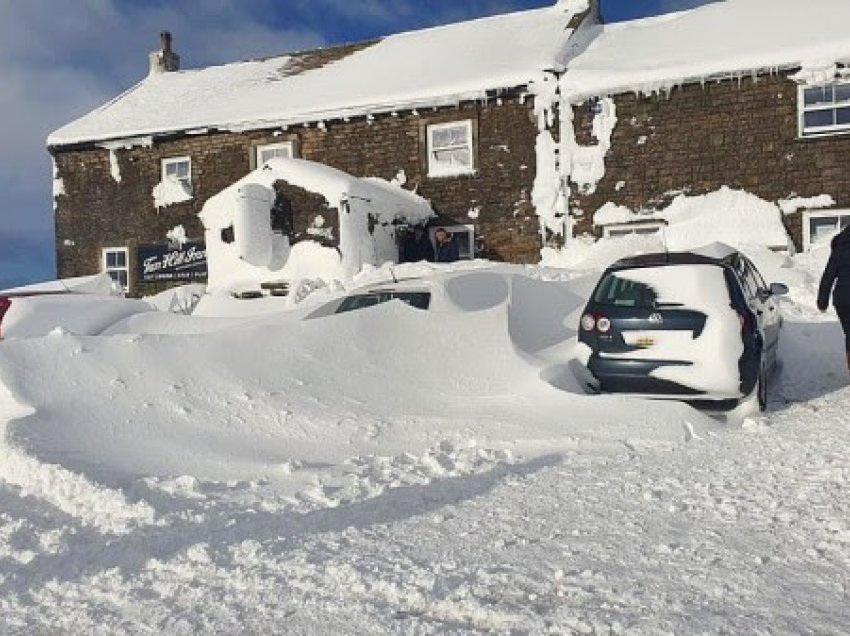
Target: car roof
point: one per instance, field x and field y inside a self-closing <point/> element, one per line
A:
<point x="715" y="254"/>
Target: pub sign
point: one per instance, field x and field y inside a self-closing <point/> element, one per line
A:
<point x="172" y="262"/>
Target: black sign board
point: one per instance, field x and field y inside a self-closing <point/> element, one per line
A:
<point x="169" y="262"/>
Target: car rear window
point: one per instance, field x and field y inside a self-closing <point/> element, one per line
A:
<point x="653" y="287"/>
<point x="417" y="300"/>
<point x="622" y="292"/>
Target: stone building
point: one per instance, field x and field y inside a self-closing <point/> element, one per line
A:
<point x="446" y="111"/>
<point x="738" y="94"/>
<point x="471" y="116"/>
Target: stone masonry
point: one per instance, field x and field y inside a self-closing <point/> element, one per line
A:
<point x="699" y="138"/>
<point x="97" y="212"/>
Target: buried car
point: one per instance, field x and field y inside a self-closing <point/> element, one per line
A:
<point x="700" y="326"/>
<point x="33" y="314"/>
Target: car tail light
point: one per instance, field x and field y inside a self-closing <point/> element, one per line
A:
<point x="600" y="323"/>
<point x="5" y="303"/>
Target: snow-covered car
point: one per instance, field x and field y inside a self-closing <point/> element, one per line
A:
<point x="700" y="326"/>
<point x="453" y="291"/>
<point x="31" y="314"/>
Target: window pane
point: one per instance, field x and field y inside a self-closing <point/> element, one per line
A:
<point x="120" y="259"/>
<point x="822" y="228"/>
<point x="453" y="158"/>
<point x="183" y="169"/>
<point x="845" y="221"/>
<point x="818" y="95"/>
<point x="111" y="259"/>
<point x="842" y="93"/>
<point x="450" y="137"/>
<point x="122" y="277"/>
<point x="842" y="116"/>
<point x="463" y="239"/>
<point x="643" y="231"/>
<point x="819" y="118"/>
<point x="171" y="169"/>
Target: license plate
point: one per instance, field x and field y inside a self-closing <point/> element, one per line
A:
<point x="644" y="342"/>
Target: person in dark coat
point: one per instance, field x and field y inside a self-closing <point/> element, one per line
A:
<point x="447" y="250"/>
<point x="417" y="247"/>
<point x="836" y="283"/>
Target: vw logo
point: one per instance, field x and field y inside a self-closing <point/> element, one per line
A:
<point x="656" y="319"/>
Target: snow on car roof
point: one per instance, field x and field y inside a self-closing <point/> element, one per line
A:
<point x="729" y="37"/>
<point x="441" y="65"/>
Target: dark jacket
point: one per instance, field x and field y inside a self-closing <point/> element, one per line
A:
<point x="836" y="276"/>
<point x="414" y="251"/>
<point x="447" y="252"/>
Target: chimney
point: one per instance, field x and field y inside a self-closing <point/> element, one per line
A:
<point x="165" y="60"/>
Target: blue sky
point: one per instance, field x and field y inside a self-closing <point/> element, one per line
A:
<point x="60" y="59"/>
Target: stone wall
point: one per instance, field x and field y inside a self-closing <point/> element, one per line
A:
<point x="699" y="138"/>
<point x="97" y="212"/>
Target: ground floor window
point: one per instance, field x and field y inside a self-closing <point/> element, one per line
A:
<point x="820" y="227"/>
<point x="616" y="230"/>
<point x="462" y="235"/>
<point x="115" y="263"/>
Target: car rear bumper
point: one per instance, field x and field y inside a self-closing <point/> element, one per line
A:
<point x="634" y="376"/>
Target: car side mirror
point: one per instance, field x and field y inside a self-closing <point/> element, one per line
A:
<point x="778" y="289"/>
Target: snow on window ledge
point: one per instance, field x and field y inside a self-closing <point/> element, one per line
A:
<point x="448" y="172"/>
<point x="170" y="191"/>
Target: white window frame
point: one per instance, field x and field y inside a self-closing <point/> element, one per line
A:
<point x="802" y="109"/>
<point x="819" y="214"/>
<point x="436" y="172"/>
<point x="185" y="181"/>
<point x="632" y="228"/>
<point x="105" y="252"/>
<point x="258" y="151"/>
<point x="451" y="229"/>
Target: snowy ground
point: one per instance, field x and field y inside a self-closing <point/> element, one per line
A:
<point x="348" y="475"/>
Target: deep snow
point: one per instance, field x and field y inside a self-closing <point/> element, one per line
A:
<point x="396" y="470"/>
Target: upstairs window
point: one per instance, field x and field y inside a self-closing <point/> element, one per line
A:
<point x="450" y="150"/>
<point x="115" y="264"/>
<point x="178" y="169"/>
<point x="824" y="109"/>
<point x="270" y="151"/>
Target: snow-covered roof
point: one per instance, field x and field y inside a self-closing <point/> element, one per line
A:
<point x="726" y="37"/>
<point x="436" y="66"/>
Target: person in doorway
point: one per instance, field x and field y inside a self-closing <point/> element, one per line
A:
<point x="836" y="283"/>
<point x="417" y="246"/>
<point x="447" y="251"/>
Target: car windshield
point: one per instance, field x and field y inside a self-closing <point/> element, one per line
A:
<point x="417" y="300"/>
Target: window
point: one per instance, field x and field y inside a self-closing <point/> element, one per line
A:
<point x="115" y="264"/>
<point x="617" y="230"/>
<point x="450" y="151"/>
<point x="270" y="151"/>
<point x="179" y="169"/>
<point x="824" y="109"/>
<point x="417" y="300"/>
<point x="462" y="235"/>
<point x="820" y="227"/>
